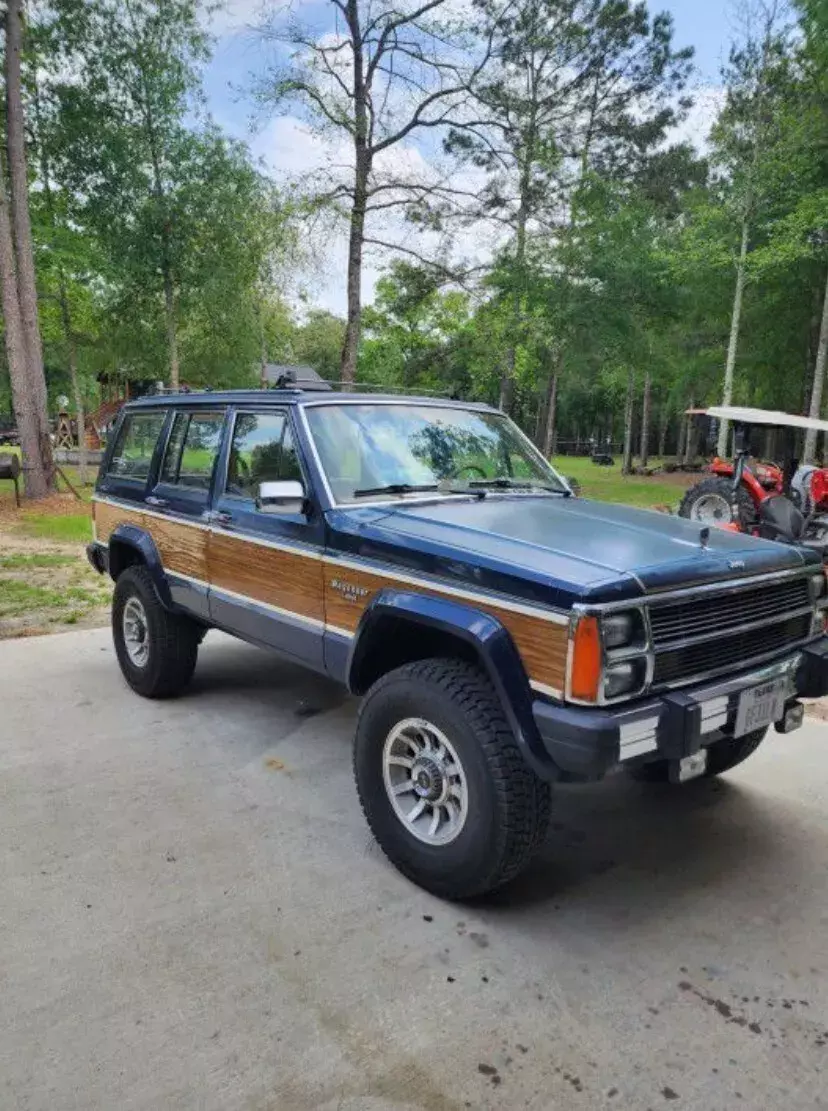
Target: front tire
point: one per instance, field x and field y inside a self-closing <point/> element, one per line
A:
<point x="157" y="650"/>
<point x="721" y="757"/>
<point x="433" y="732"/>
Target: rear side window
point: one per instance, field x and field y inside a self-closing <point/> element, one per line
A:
<point x="262" y="451"/>
<point x="135" y="444"/>
<point x="192" y="450"/>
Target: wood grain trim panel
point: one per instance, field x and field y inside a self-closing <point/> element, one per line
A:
<point x="303" y="584"/>
<point x="542" y="644"/>
<point x="290" y="580"/>
<point x="182" y="547"/>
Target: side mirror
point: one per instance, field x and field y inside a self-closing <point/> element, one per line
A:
<point x="287" y="497"/>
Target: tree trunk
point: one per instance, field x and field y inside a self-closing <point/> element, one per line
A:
<point x="508" y="378"/>
<point x="77" y="393"/>
<point x="819" y="379"/>
<point x="22" y="235"/>
<point x="362" y="172"/>
<point x="172" y="326"/>
<point x="663" y="431"/>
<point x="540" y="422"/>
<point x="689" y="437"/>
<point x="645" y="422"/>
<point x="36" y="478"/>
<point x="682" y="439"/>
<point x="626" y="466"/>
<point x="551" y="412"/>
<point x="65" y="313"/>
<point x="735" y="322"/>
<point x="167" y="274"/>
<point x="262" y="345"/>
<point x="350" y="347"/>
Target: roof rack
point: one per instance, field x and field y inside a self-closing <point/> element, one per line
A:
<point x="288" y="381"/>
<point x="367" y="387"/>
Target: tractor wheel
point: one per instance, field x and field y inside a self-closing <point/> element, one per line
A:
<point x="712" y="502"/>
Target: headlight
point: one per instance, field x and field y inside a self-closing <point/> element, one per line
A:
<point x="625" y="677"/>
<point x="619" y="629"/>
<point x="818" y="586"/>
<point x="623" y="629"/>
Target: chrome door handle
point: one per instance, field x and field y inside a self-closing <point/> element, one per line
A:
<point x="161" y="503"/>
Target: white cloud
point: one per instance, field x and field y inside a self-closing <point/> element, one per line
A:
<point x="234" y="16"/>
<point x="707" y="103"/>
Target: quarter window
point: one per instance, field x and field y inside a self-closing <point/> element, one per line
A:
<point x="192" y="449"/>
<point x="134" y="447"/>
<point x="262" y="451"/>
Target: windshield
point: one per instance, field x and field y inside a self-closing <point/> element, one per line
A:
<point x="375" y="449"/>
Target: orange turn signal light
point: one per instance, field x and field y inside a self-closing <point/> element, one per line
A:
<point x="585" y="665"/>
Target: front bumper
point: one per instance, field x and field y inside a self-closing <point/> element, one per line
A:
<point x="584" y="743"/>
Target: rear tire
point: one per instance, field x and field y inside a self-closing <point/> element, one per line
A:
<point x="157" y="650"/>
<point x="469" y="757"/>
<point x="716" y="489"/>
<point x="721" y="757"/>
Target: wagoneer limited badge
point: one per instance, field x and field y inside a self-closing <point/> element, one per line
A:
<point x="349" y="590"/>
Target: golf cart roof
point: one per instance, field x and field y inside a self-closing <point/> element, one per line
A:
<point x="741" y="415"/>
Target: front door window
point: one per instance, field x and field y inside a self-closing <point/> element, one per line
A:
<point x="262" y="451"/>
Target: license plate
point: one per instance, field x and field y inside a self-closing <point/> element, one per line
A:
<point x="760" y="706"/>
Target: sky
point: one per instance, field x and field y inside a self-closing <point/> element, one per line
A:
<point x="289" y="150"/>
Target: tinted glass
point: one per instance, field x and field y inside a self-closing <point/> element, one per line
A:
<point x="363" y="447"/>
<point x="137" y="437"/>
<point x="192" y="449"/>
<point x="262" y="451"/>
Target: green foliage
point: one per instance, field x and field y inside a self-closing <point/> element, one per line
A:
<point x="318" y="343"/>
<point x="70" y="529"/>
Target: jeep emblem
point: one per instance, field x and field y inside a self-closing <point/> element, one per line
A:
<point x="349" y="590"/>
<point x="736" y="564"/>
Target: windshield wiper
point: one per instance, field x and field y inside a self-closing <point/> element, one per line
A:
<point x="395" y="488"/>
<point x="513" y="484"/>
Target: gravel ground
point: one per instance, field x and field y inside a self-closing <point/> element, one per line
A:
<point x="194" y="916"/>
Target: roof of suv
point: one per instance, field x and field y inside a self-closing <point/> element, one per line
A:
<point x="293" y="396"/>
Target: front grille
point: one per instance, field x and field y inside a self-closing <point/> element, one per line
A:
<point x="734" y="650"/>
<point x="678" y="621"/>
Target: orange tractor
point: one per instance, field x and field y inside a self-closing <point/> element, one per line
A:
<point x="778" y="501"/>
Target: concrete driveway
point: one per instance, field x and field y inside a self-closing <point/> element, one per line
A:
<point x="193" y="916"/>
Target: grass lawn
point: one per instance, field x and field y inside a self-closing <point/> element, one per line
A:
<point x="62" y="528"/>
<point x="608" y="484"/>
<point x="45" y="591"/>
<point x="46" y="583"/>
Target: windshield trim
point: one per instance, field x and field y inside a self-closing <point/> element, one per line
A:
<point x="408" y="499"/>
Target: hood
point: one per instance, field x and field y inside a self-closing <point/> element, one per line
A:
<point x="553" y="549"/>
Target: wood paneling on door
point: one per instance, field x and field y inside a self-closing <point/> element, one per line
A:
<point x="182" y="547"/>
<point x="541" y="643"/>
<point x="289" y="580"/>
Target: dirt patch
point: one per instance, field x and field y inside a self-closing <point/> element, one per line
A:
<point x="683" y="479"/>
<point x="56" y="505"/>
<point x="47" y="586"/>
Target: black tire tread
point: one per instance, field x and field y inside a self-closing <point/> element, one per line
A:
<point x="175" y="638"/>
<point x="524" y="800"/>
